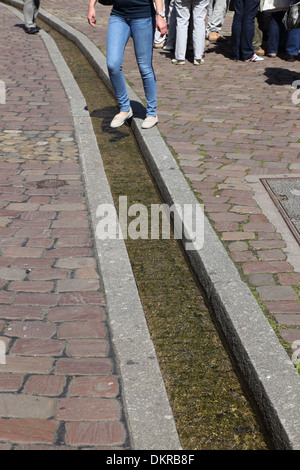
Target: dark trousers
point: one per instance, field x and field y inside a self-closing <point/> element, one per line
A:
<point x="277" y="33"/>
<point x="243" y="28"/>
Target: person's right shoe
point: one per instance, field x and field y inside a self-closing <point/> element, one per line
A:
<point x="255" y="58"/>
<point x="159" y="45"/>
<point x="149" y="122"/>
<point x="215" y="36"/>
<point x="32" y="30"/>
<point x="168" y="48"/>
<point x="119" y="119"/>
<point x="290" y="58"/>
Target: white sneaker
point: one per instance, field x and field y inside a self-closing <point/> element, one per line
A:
<point x="198" y="61"/>
<point x="178" y="62"/>
<point x="119" y="119"/>
<point x="255" y="58"/>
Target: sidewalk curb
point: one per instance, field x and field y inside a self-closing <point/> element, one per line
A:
<point x="263" y="362"/>
<point x="149" y="416"/>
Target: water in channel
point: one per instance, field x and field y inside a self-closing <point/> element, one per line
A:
<point x="211" y="409"/>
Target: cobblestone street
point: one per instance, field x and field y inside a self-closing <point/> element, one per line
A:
<point x="229" y="124"/>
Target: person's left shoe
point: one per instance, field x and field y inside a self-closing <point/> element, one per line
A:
<point x="32" y="30"/>
<point x="198" y="61"/>
<point x="149" y="122"/>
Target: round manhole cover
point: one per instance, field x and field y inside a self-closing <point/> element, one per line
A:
<point x="50" y="183"/>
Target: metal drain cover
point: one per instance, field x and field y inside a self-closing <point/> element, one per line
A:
<point x="51" y="183"/>
<point x="285" y="193"/>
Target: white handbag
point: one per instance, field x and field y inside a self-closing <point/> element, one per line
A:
<point x="275" y="5"/>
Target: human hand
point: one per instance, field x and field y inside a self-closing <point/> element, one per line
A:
<point x="161" y="25"/>
<point x="91" y="16"/>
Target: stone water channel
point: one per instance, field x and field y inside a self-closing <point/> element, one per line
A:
<point x="211" y="407"/>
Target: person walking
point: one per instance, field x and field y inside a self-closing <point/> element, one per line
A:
<point x="184" y="9"/>
<point x="30" y="11"/>
<point x="137" y="19"/>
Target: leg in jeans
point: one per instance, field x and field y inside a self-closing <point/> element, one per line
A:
<point x="199" y="15"/>
<point x="250" y="11"/>
<point x="243" y="28"/>
<point x="182" y="24"/>
<point x="277" y="32"/>
<point x="273" y="36"/>
<point x="30" y="9"/>
<point x="293" y="42"/>
<point x="142" y="31"/>
<point x="237" y="22"/>
<point x="117" y="37"/>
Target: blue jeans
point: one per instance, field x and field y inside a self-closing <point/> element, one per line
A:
<point x="243" y="28"/>
<point x="293" y="42"/>
<point x="142" y="32"/>
<point x="277" y="33"/>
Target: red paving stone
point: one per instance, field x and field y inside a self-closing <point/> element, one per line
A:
<point x="58" y="386"/>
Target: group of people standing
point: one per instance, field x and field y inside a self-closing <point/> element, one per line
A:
<point x="263" y="31"/>
<point x="191" y="23"/>
<point x="257" y="29"/>
<point x="147" y="23"/>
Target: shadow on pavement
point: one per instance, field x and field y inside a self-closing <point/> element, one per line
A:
<point x="280" y="76"/>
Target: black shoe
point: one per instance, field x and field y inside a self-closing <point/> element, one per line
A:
<point x="290" y="58"/>
<point x="32" y="30"/>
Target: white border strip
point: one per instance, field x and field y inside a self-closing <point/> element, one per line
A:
<point x="149" y="415"/>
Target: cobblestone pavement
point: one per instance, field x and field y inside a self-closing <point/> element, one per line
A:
<point x="52" y="319"/>
<point x="230" y="124"/>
